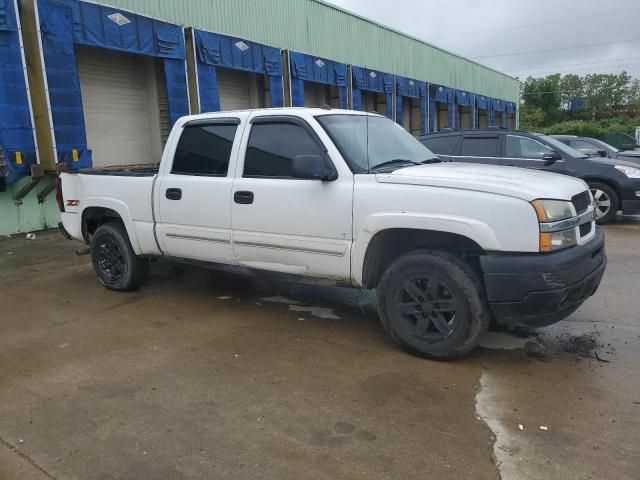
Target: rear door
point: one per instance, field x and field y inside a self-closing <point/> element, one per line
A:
<point x="194" y="192"/>
<point x="479" y="148"/>
<point x="526" y="152"/>
<point x="285" y="224"/>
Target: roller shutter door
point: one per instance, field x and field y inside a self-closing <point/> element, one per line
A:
<point x="163" y="103"/>
<point x="117" y="107"/>
<point x="234" y="89"/>
<point x="443" y="116"/>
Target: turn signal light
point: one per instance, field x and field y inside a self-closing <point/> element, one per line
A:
<point x="545" y="242"/>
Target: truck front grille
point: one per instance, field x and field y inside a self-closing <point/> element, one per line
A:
<point x="581" y="202"/>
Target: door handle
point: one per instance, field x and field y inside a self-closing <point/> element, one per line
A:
<point x="243" y="198"/>
<point x="174" y="193"/>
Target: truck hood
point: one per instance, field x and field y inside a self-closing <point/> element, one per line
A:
<point x="515" y="182"/>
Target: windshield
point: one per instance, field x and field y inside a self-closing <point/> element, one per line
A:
<point x="562" y="147"/>
<point x="371" y="143"/>
<point x="604" y="145"/>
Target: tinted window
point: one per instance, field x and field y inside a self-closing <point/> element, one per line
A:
<point x="523" y="147"/>
<point x="204" y="150"/>
<point x="442" y="145"/>
<point x="479" y="147"/>
<point x="272" y="147"/>
<point x="583" y="145"/>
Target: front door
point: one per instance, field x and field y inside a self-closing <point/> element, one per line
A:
<point x="528" y="153"/>
<point x="194" y="194"/>
<point x="285" y="224"/>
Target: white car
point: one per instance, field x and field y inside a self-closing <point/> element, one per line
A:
<point x="354" y="198"/>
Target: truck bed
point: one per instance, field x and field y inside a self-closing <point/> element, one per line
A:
<point x="140" y="170"/>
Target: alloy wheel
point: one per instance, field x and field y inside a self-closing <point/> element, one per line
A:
<point x="602" y="203"/>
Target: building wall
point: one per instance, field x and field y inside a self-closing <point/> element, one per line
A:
<point x="311" y="26"/>
<point x="31" y="215"/>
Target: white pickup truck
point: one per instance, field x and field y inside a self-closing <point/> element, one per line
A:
<point x="354" y="198"/>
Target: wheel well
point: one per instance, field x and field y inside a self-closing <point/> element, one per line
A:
<point x="388" y="245"/>
<point x="94" y="217"/>
<point x="606" y="182"/>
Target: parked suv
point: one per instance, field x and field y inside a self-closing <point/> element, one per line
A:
<point x="614" y="183"/>
<point x="602" y="149"/>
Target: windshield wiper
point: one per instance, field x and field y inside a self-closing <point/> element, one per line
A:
<point x="431" y="160"/>
<point x="397" y="162"/>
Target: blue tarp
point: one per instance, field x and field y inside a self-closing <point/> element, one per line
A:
<point x="306" y="68"/>
<point x="511" y="107"/>
<point x="440" y="94"/>
<point x="405" y="87"/>
<point x="65" y="23"/>
<point x="16" y="131"/>
<point x="214" y="50"/>
<point x="366" y="80"/>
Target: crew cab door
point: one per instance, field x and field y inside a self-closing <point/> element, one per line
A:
<point x="193" y="193"/>
<point x="286" y="224"/>
<point x="526" y="152"/>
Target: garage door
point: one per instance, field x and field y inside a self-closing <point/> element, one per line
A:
<point x="443" y="116"/>
<point x="315" y="94"/>
<point x="120" y="107"/>
<point x="235" y="89"/>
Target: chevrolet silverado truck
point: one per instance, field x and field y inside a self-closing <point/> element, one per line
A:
<point x="353" y="198"/>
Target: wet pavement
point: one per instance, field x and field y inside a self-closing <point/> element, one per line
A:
<point x="209" y="374"/>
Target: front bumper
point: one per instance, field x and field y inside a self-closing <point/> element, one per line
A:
<point x="538" y="289"/>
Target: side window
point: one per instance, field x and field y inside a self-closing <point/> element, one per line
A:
<point x="442" y="145"/>
<point x="204" y="150"/>
<point x="583" y="145"/>
<point x="479" y="147"/>
<point x="273" y="146"/>
<point x="523" y="147"/>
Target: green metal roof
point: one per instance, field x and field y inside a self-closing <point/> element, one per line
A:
<point x="318" y="28"/>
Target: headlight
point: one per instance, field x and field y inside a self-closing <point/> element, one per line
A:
<point x="552" y="210"/>
<point x="630" y="172"/>
<point x="550" y="242"/>
<point x="552" y="216"/>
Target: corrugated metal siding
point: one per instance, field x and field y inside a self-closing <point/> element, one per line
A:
<point x="314" y="27"/>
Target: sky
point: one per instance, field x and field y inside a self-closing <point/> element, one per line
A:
<point x="521" y="37"/>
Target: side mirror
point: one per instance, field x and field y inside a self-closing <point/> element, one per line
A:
<point x="551" y="157"/>
<point x="312" y="167"/>
<point x="603" y="153"/>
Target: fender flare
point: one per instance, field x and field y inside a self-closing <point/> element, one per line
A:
<point x="122" y="210"/>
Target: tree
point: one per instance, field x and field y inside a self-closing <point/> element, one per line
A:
<point x="543" y="93"/>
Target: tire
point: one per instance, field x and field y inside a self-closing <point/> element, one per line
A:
<point x="452" y="326"/>
<point x="602" y="192"/>
<point x="114" y="261"/>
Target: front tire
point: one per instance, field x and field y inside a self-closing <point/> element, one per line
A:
<point x="607" y="202"/>
<point x="432" y="304"/>
<point x="114" y="261"/>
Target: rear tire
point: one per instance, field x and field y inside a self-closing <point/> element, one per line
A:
<point x="114" y="261"/>
<point x="607" y="202"/>
<point x="433" y="305"/>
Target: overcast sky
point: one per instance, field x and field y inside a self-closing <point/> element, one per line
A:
<point x="499" y="33"/>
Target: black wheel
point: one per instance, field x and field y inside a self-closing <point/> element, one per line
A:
<point x="115" y="262"/>
<point x="607" y="202"/>
<point x="432" y="304"/>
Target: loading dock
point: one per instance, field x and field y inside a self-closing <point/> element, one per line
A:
<point x="464" y="107"/>
<point x="442" y="111"/>
<point x="483" y="105"/>
<point x="411" y="105"/>
<point x="317" y="81"/>
<point x="372" y="91"/>
<point x="18" y="151"/>
<point x="234" y="74"/>
<point x="511" y="115"/>
<point x="101" y="70"/>
<point x="498" y="115"/>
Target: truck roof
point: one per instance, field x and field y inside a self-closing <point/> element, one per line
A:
<point x="282" y="111"/>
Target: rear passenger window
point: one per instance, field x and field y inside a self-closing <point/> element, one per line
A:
<point x="273" y="146"/>
<point x="524" y="147"/>
<point x="479" y="147"/>
<point x="204" y="150"/>
<point x="442" y="145"/>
